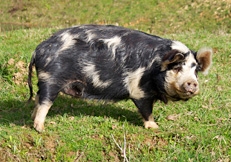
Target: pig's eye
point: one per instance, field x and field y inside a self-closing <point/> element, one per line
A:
<point x="177" y="68"/>
<point x="198" y="68"/>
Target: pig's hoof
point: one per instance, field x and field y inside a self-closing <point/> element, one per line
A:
<point x="39" y="127"/>
<point x="150" y="124"/>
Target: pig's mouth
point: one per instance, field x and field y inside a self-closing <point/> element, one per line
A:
<point x="177" y="92"/>
<point x="181" y="95"/>
<point x="185" y="94"/>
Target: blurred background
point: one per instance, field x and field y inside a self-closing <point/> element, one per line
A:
<point x="153" y="16"/>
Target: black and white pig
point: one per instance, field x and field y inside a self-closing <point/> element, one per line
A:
<point x="114" y="63"/>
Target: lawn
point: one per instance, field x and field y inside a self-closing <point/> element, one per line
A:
<point x="89" y="130"/>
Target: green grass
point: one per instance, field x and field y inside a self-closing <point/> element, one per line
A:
<point x="156" y="16"/>
<point x="84" y="130"/>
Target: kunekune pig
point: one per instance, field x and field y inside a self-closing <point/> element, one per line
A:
<point x="114" y="63"/>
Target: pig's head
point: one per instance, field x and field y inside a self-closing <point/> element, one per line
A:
<point x="181" y="66"/>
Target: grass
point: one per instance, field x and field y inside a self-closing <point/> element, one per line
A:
<point x="83" y="130"/>
<point x="154" y="16"/>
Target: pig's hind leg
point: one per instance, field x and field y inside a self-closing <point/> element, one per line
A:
<point x="44" y="100"/>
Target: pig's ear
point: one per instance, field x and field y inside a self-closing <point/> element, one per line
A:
<point x="172" y="56"/>
<point x="204" y="58"/>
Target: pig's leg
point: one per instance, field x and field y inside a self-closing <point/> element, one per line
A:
<point x="44" y="100"/>
<point x="36" y="108"/>
<point x="145" y="109"/>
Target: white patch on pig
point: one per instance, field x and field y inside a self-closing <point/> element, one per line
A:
<point x="43" y="75"/>
<point x="90" y="71"/>
<point x="39" y="115"/>
<point x="150" y="123"/>
<point x="48" y="60"/>
<point x="113" y="43"/>
<point x="157" y="60"/>
<point x="188" y="72"/>
<point x="132" y="81"/>
<point x="68" y="41"/>
<point x="175" y="80"/>
<point x="46" y="77"/>
<point x="90" y="35"/>
<point x="180" y="47"/>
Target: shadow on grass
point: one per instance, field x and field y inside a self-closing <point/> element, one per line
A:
<point x="19" y="113"/>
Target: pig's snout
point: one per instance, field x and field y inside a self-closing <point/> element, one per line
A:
<point x="191" y="86"/>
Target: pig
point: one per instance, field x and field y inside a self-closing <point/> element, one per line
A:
<point x="107" y="62"/>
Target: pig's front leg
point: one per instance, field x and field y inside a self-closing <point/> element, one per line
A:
<point x="145" y="109"/>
